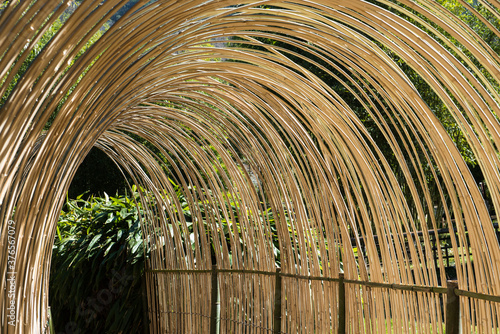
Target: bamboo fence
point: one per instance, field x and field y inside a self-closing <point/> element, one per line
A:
<point x="263" y="150"/>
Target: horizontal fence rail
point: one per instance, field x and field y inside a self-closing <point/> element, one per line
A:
<point x="451" y="292"/>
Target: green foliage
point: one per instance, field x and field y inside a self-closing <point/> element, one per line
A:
<point x="97" y="267"/>
<point x="227" y="225"/>
<point x="99" y="259"/>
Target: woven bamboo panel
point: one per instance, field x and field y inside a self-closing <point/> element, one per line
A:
<point x="311" y="307"/>
<point x="172" y="312"/>
<point x="246" y="303"/>
<point x="262" y="150"/>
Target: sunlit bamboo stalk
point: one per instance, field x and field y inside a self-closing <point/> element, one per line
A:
<point x="201" y="82"/>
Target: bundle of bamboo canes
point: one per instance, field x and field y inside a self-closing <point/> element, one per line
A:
<point x="262" y="148"/>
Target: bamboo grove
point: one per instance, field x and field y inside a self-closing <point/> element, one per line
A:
<point x="225" y="98"/>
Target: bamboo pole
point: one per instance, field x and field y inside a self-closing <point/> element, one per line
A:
<point x="214" y="301"/>
<point x="452" y="309"/>
<point x="278" y="296"/>
<point x="262" y="151"/>
<point x="342" y="305"/>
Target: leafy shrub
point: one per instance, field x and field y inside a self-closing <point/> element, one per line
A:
<point x="96" y="283"/>
<point x="98" y="261"/>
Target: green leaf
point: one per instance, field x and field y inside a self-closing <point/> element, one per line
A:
<point x="134" y="249"/>
<point x="93" y="242"/>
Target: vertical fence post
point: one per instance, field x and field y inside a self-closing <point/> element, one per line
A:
<point x="452" y="309"/>
<point x="341" y="299"/>
<point x="213" y="307"/>
<point x="277" y="303"/>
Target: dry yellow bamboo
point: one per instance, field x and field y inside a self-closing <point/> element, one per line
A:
<point x="249" y="132"/>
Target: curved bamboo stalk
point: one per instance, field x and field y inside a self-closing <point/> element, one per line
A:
<point x="256" y="141"/>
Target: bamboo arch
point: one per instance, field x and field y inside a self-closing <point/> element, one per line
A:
<point x="212" y="108"/>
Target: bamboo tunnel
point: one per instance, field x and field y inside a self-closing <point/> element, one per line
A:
<point x="296" y="132"/>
